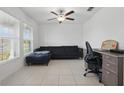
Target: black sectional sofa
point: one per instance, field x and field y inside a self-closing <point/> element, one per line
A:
<point x="62" y="52"/>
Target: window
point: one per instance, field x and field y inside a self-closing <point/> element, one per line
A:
<point x="9" y="37"/>
<point x="28" y="39"/>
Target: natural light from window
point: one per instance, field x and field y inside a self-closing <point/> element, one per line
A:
<point x="9" y="37"/>
<point x="28" y="39"/>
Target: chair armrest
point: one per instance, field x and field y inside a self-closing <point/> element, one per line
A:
<point x="91" y="57"/>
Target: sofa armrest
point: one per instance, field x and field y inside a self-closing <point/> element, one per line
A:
<point x="37" y="49"/>
<point x="81" y="52"/>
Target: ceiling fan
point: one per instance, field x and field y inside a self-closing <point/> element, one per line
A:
<point x="61" y="16"/>
<point x="90" y="8"/>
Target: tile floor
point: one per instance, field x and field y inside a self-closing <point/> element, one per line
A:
<point x="57" y="73"/>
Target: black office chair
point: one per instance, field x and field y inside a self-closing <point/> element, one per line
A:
<point x="94" y="62"/>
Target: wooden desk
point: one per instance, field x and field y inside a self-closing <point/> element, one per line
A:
<point x="112" y="68"/>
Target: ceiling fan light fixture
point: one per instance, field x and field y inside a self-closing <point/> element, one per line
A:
<point x="61" y="18"/>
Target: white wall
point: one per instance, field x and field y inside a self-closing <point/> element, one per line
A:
<point x="108" y="23"/>
<point x="60" y="34"/>
<point x="9" y="67"/>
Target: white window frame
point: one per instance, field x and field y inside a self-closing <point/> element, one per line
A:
<point x="29" y="39"/>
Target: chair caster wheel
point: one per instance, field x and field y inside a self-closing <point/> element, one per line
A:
<point x="85" y="69"/>
<point x="85" y="74"/>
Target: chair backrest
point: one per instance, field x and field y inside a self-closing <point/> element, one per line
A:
<point x="89" y="52"/>
<point x="89" y="49"/>
<point x="109" y="44"/>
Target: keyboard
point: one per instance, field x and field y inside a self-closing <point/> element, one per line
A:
<point x="117" y="51"/>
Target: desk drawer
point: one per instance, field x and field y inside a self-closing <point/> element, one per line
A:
<point x="112" y="67"/>
<point x="109" y="78"/>
<point x="110" y="59"/>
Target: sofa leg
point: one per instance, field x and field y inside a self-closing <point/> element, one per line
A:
<point x="29" y="64"/>
<point x="47" y="64"/>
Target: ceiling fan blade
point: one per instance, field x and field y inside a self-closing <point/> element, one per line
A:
<point x="51" y="19"/>
<point x="70" y="18"/>
<point x="90" y="8"/>
<point x="69" y="13"/>
<point x="54" y="13"/>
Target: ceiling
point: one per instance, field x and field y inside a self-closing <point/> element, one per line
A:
<point x="42" y="14"/>
<point x="7" y="20"/>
